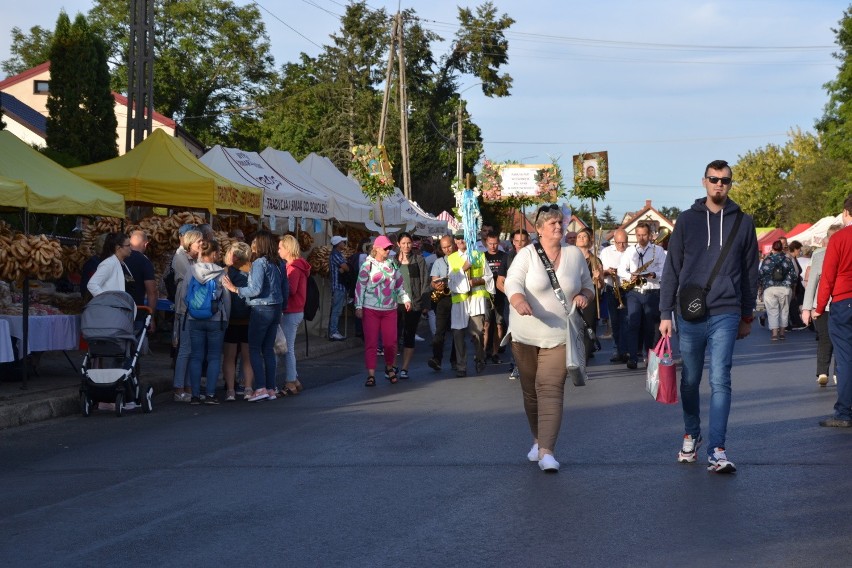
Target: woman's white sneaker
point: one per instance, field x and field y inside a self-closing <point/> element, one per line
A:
<point x="532" y="455"/>
<point x="548" y="463"/>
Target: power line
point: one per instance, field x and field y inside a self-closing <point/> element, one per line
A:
<point x="658" y="141"/>
<point x="300" y="34"/>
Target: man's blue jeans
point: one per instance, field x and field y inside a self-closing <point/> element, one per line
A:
<point x="718" y="333"/>
<point x="840" y="330"/>
<point x="338" y="301"/>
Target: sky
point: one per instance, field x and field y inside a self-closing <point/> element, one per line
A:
<point x="664" y="86"/>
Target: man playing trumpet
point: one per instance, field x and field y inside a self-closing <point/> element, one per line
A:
<point x="610" y="259"/>
<point x="642" y="265"/>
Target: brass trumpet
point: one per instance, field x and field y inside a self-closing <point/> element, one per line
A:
<point x="437" y="295"/>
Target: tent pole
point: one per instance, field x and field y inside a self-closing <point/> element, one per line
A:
<point x="25" y="315"/>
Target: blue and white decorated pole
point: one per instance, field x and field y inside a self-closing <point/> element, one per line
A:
<point x="471" y="220"/>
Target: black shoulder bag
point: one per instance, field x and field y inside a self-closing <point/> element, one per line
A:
<point x="692" y="298"/>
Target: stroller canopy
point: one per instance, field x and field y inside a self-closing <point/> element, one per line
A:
<point x="109" y="315"/>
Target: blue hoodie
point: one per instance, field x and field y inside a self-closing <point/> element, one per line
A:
<point x="694" y="248"/>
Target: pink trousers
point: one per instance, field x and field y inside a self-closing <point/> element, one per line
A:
<point x="379" y="323"/>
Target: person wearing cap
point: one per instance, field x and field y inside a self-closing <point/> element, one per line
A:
<point x="379" y="290"/>
<point x="471" y="285"/>
<point x="337" y="266"/>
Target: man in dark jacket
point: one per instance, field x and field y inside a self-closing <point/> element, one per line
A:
<point x="694" y="248"/>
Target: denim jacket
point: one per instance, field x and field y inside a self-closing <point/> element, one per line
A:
<point x="264" y="284"/>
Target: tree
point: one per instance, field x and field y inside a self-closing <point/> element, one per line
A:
<point x="81" y="118"/>
<point x="670" y="213"/>
<point x="211" y="60"/>
<point x="2" y="123"/>
<point x="28" y="50"/>
<point x="608" y="220"/>
<point x="835" y="126"/>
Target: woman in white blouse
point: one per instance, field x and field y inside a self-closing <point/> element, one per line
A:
<point x="538" y="324"/>
<point x="112" y="274"/>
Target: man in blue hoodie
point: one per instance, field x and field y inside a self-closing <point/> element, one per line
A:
<point x="694" y="247"/>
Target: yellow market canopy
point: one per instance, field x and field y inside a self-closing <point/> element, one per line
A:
<point x="33" y="181"/>
<point x="161" y="171"/>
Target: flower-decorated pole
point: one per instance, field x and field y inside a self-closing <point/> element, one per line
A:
<point x="371" y="168"/>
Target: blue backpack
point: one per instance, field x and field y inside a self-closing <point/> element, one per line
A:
<point x="201" y="300"/>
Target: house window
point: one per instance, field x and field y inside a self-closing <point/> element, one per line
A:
<point x="41" y="87"/>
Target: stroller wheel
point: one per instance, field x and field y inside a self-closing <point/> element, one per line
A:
<point x="147" y="398"/>
<point x="85" y="404"/>
<point x="119" y="403"/>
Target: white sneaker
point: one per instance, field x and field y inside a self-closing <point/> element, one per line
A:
<point x="533" y="453"/>
<point x="129" y="406"/>
<point x="418" y="338"/>
<point x="336" y="337"/>
<point x="259" y="394"/>
<point x="689" y="449"/>
<point x="548" y="463"/>
<point x="719" y="462"/>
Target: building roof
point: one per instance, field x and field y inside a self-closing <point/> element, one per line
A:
<point x="23" y="114"/>
<point x="32" y="72"/>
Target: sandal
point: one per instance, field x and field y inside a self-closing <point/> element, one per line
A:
<point x="390" y="374"/>
<point x="298" y="385"/>
<point x="290" y="389"/>
<point x="371" y="381"/>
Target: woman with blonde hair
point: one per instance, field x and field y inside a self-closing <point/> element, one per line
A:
<point x="186" y="255"/>
<point x="298" y="272"/>
<point x="538" y="323"/>
<point x="264" y="294"/>
<point x="238" y="261"/>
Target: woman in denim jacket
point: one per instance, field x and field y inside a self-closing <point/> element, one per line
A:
<point x="264" y="295"/>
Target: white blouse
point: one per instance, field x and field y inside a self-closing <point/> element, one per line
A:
<point x="546" y="327"/>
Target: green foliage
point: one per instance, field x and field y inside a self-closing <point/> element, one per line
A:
<point x="2" y="123"/>
<point x="608" y="220"/>
<point x="671" y="213"/>
<point x="81" y="119"/>
<point x="480" y="48"/>
<point x="212" y="60"/>
<point x="784" y="185"/>
<point x="28" y="50"/>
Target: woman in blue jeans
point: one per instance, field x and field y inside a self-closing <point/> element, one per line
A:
<point x="206" y="322"/>
<point x="298" y="272"/>
<point x="264" y="295"/>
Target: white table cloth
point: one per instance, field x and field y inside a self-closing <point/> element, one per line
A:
<point x="47" y="333"/>
<point x="6" y="353"/>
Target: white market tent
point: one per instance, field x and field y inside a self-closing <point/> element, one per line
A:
<point x="281" y="197"/>
<point x="343" y="208"/>
<point x="815" y="234"/>
<point x="323" y="170"/>
<point x="397" y="209"/>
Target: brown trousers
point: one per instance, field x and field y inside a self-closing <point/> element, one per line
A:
<point x="542" y="374"/>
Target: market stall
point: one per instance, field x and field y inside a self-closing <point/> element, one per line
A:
<point x="160" y="171"/>
<point x="282" y="198"/>
<point x="34" y="183"/>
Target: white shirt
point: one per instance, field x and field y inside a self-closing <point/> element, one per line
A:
<point x="109" y="277"/>
<point x="546" y="328"/>
<point x="633" y="259"/>
<point x="610" y="258"/>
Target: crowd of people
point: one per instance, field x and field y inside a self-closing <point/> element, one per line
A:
<point x="231" y="305"/>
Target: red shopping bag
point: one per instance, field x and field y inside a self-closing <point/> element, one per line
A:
<point x="661" y="381"/>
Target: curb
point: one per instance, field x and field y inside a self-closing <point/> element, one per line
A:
<point x="64" y="400"/>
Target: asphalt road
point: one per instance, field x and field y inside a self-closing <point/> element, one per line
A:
<point x="433" y="472"/>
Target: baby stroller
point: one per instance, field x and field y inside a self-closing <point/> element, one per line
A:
<point x="109" y="326"/>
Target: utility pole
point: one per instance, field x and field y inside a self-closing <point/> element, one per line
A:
<point x="403" y="113"/>
<point x="140" y="73"/>
<point x="460" y="142"/>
